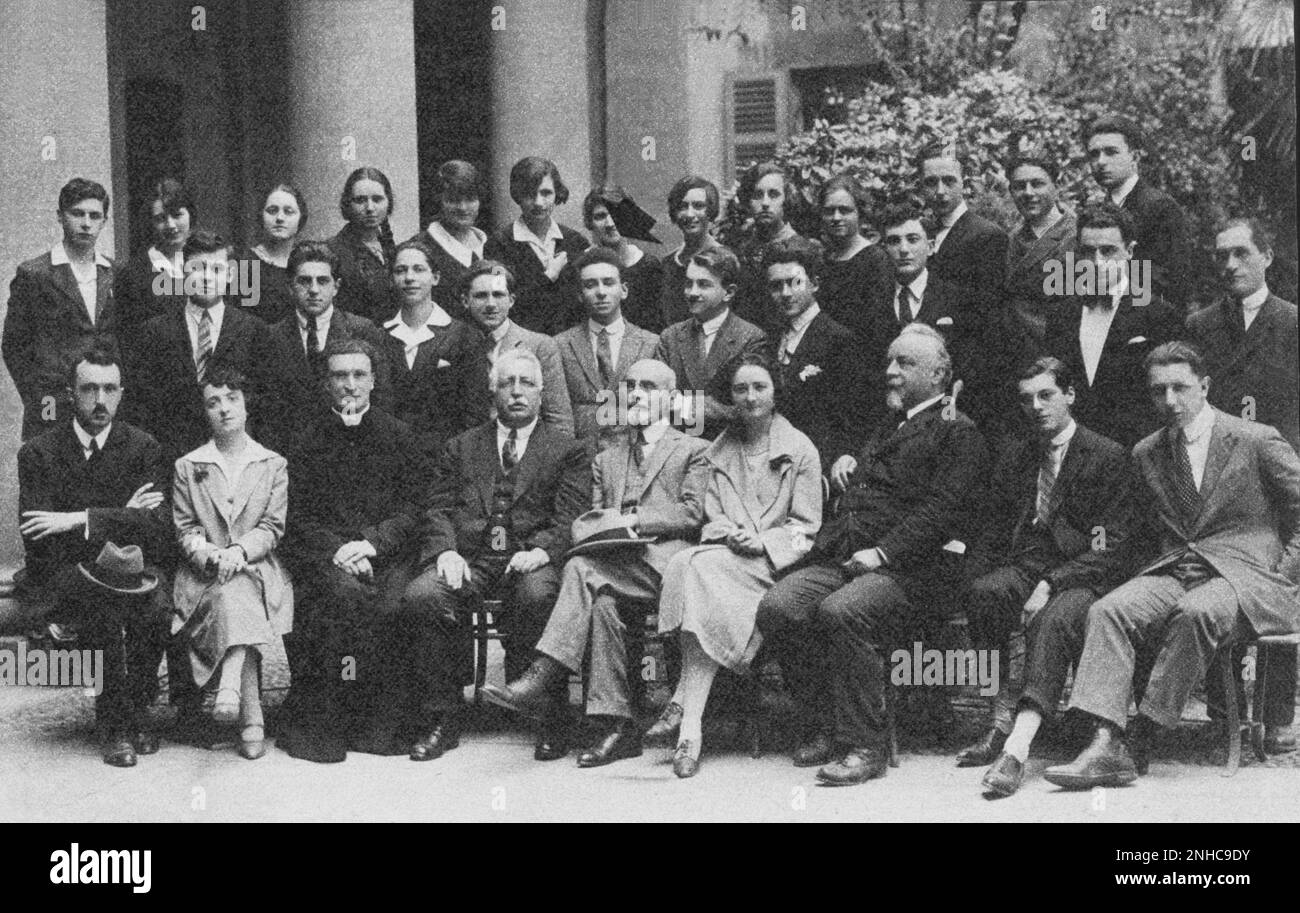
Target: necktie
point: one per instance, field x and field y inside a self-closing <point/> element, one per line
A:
<point x="904" y="304"/>
<point x="638" y="447"/>
<point x="1186" y="498"/>
<point x="704" y="343"/>
<point x="94" y="449"/>
<point x="510" y="451"/>
<point x="783" y="357"/>
<point x="604" y="359"/>
<point x="1046" y="482"/>
<point x="313" y="344"/>
<point x="205" y="345"/>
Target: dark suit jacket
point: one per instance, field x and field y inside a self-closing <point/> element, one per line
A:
<point x="1116" y="404"/>
<point x="368" y="482"/>
<point x="541" y="305"/>
<point x="1026" y="301"/>
<point x="136" y="301"/>
<point x="295" y="391"/>
<point x="1261" y="363"/>
<point x="46" y="325"/>
<point x="582" y="374"/>
<point x="915" y="488"/>
<point x="829" y="404"/>
<point x="164" y="392"/>
<point x="552" y="486"/>
<point x="1248" y="525"/>
<point x="446" y="391"/>
<point x="680" y="348"/>
<point x="53" y="475"/>
<point x="973" y="257"/>
<point x="367" y="287"/>
<point x="1093" y="489"/>
<point x="1163" y="238"/>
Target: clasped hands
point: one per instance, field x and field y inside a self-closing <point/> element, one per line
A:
<point x="37" y="524"/>
<point x="455" y="571"/>
<point x="354" y="558"/>
<point x="745" y="543"/>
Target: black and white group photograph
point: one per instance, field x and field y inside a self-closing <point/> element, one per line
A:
<point x="837" y="411"/>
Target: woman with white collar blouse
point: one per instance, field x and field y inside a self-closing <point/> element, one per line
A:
<point x="439" y="363"/>
<point x="233" y="598"/>
<point x="454" y="238"/>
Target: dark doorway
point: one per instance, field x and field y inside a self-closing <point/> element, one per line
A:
<point x="453" y="94"/>
<point x="153" y="144"/>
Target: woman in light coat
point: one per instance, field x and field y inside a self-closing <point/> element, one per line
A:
<point x="762" y="510"/>
<point x="232" y="596"/>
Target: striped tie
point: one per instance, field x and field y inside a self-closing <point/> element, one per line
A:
<point x="205" y="345"/>
<point x="1046" y="482"/>
<point x="1185" y="496"/>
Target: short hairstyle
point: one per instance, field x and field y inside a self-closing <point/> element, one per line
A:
<point x="457" y="180"/>
<point x="230" y="377"/>
<point x="488" y="268"/>
<point x="351" y="345"/>
<point x="759" y="170"/>
<point x="1114" y="123"/>
<point x="313" y="252"/>
<point x="849" y="185"/>
<point x="1105" y="215"/>
<point x="596" y="197"/>
<point x="298" y="198"/>
<point x="173" y="196"/>
<point x="527" y="175"/>
<point x="512" y="355"/>
<point x="1035" y="160"/>
<point x="1062" y="376"/>
<point x="598" y="254"/>
<point x="720" y="261"/>
<point x="805" y="252"/>
<point x="1176" y="352"/>
<point x="79" y="189"/>
<point x="755" y="360"/>
<point x="204" y="242"/>
<point x="939" y="150"/>
<point x="1260" y="234"/>
<point x="99" y="352"/>
<point x="712" y="201"/>
<point x="365" y="173"/>
<point x="929" y="332"/>
<point x="898" y="213"/>
<point x="415" y="244"/>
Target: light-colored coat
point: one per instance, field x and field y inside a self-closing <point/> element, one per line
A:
<point x="209" y="517"/>
<point x="582" y="373"/>
<point x="1250" y="498"/>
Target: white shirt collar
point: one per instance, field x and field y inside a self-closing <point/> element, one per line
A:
<point x="713" y="324"/>
<point x="917" y="285"/>
<point x="925" y="405"/>
<point x="195" y="313"/>
<point x="463" y="253"/>
<point x="437" y="318"/>
<point x="1120" y="193"/>
<point x="653" y="433"/>
<point x="617" y="328"/>
<point x="521" y="232"/>
<point x="636" y="254"/>
<point x="1201" y="425"/>
<point x="352" y="419"/>
<point x="1066" y="435"/>
<point x="59" y="257"/>
<point x="84" y="437"/>
<point x="524" y="433"/>
<point x="161" y="262"/>
<point x="955" y="215"/>
<point x="1255" y="300"/>
<point x="322" y="322"/>
<point x="208" y="453"/>
<point x="800" y="323"/>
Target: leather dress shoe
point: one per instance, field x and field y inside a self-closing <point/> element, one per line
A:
<point x="858" y="766"/>
<point x="1004" y="777"/>
<point x="664" y="730"/>
<point x="144" y="741"/>
<point x="442" y="739"/>
<point x="118" y="751"/>
<point x="620" y="742"/>
<point x="1279" y="739"/>
<point x="983" y="752"/>
<point x="1106" y="762"/>
<point x="816" y="751"/>
<point x="552" y="744"/>
<point x="532" y="694"/>
<point x="686" y="759"/>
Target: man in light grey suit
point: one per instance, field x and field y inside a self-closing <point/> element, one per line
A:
<point x="597" y="353"/>
<point x="1223" y="511"/>
<point x="489" y="294"/>
<point x="655" y="476"/>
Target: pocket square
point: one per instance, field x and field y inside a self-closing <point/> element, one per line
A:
<point x="944" y="322"/>
<point x="1137" y="339"/>
<point x="443" y="363"/>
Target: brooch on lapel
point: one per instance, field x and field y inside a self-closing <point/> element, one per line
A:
<point x="809" y="371"/>
<point x="200" y="475"/>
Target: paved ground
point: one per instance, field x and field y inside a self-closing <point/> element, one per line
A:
<point x="53" y="773"/>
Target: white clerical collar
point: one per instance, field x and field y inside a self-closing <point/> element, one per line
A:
<point x="352" y="419"/>
<point x="59" y="257"/>
<point x="616" y="328"/>
<point x="925" y="405"/>
<point x="1255" y="300"/>
<point x="1201" y="425"/>
<point x="437" y="318"/>
<point x="463" y="253"/>
<point x="1120" y="193"/>
<point x="521" y="232"/>
<point x="85" y="438"/>
<point x="161" y="262"/>
<point x="957" y="213"/>
<point x="713" y="324"/>
<point x="800" y="323"/>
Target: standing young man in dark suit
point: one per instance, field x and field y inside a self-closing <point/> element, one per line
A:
<point x="504" y="498"/>
<point x="819" y="389"/>
<point x="59" y="303"/>
<point x="1221" y="499"/>
<point x="700" y="348"/>
<point x="1058" y="511"/>
<point x="1250" y="344"/>
<point x="178" y="349"/>
<point x="1104" y="337"/>
<point x="651" y="481"/>
<point x="880" y="566"/>
<point x="597" y="353"/>
<point x="1115" y="147"/>
<point x="88" y="482"/>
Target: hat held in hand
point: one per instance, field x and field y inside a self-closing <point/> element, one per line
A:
<point x="120" y="570"/>
<point x="603" y="530"/>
